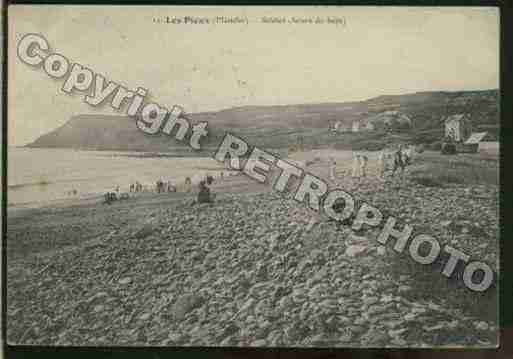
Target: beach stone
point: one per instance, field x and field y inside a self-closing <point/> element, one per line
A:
<point x="398" y="341"/>
<point x="481" y="325"/>
<point x="99" y="308"/>
<point x="125" y="280"/>
<point x="404" y="288"/>
<point x="357" y="329"/>
<point x="410" y="316"/>
<point x="376" y="309"/>
<point x="311" y="223"/>
<point x="226" y="342"/>
<point x="381" y="250"/>
<point x="247" y="305"/>
<point x="185" y="304"/>
<point x="145" y="316"/>
<point x="375" y="337"/>
<point x="258" y="343"/>
<point x="434" y="328"/>
<point x="354" y="250"/>
<point x="397" y="332"/>
<point x="360" y="321"/>
<point x="145" y="231"/>
<point x="230" y="329"/>
<point x="370" y="300"/>
<point x="97" y="297"/>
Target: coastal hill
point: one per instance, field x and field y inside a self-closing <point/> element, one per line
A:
<point x="284" y="126"/>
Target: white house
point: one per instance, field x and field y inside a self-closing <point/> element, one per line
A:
<point x="457" y="127"/>
<point x="481" y="142"/>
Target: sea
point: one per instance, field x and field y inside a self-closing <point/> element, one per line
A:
<point x="39" y="176"/>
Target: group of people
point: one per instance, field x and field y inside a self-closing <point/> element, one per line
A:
<point x="136" y="187"/>
<point x="162" y="187"/>
<point x="204" y="194"/>
<point x="167" y="187"/>
<point x="114" y="196"/>
<point x="399" y="158"/>
<point x="388" y="160"/>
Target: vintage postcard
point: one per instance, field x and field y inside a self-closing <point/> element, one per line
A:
<point x="253" y="176"/>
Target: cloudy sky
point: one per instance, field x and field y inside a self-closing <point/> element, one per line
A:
<point x="211" y="67"/>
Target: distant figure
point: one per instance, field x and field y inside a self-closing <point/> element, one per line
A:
<point x="170" y="187"/>
<point x="359" y="166"/>
<point x="159" y="186"/>
<point x="332" y="169"/>
<point x="398" y="159"/>
<point x="117" y="189"/>
<point x="110" y="197"/>
<point x="204" y="193"/>
<point x="187" y="185"/>
<point x="221" y="175"/>
<point x="74" y="192"/>
<point x="382" y="161"/>
<point x="363" y="165"/>
<point x="132" y="187"/>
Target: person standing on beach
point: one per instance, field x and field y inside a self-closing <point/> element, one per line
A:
<point x="187" y="185"/>
<point x="332" y="169"/>
<point x="204" y="194"/>
<point x="363" y="165"/>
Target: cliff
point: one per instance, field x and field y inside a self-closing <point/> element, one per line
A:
<point x="281" y="126"/>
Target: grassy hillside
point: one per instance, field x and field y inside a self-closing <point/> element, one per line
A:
<point x="286" y="126"/>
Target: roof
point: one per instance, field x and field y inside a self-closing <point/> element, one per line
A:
<point x="475" y="137"/>
<point x="457" y="117"/>
<point x="389" y="117"/>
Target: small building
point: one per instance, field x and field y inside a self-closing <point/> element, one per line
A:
<point x="341" y="127"/>
<point x="390" y="119"/>
<point x="458" y="127"/>
<point x="481" y="142"/>
<point x="362" y="125"/>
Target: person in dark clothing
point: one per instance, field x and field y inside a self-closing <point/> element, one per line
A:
<point x="204" y="193"/>
<point x="210" y="180"/>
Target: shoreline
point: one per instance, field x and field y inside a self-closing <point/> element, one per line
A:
<point x="229" y="184"/>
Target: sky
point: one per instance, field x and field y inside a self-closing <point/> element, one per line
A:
<point x="208" y="67"/>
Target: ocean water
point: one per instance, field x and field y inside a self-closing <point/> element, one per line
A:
<point x="44" y="175"/>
